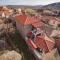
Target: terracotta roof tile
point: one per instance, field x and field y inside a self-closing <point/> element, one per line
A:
<point x="44" y="44"/>
<point x="50" y="45"/>
<point x="37" y="24"/>
<point x="31" y="44"/>
<point x="26" y="19"/>
<point x="40" y="42"/>
<point x="21" y="18"/>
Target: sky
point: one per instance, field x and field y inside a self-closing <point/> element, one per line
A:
<point x="27" y="2"/>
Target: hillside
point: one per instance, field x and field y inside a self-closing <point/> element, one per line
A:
<point x="53" y="6"/>
<point x="50" y="6"/>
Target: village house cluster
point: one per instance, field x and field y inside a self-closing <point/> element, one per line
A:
<point x="40" y="29"/>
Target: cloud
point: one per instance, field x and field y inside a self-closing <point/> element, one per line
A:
<point x="27" y="2"/>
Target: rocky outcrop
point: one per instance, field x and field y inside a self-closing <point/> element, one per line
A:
<point x="10" y="55"/>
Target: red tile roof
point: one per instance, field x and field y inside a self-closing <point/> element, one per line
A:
<point x="40" y="42"/>
<point x="37" y="24"/>
<point x="50" y="45"/>
<point x="31" y="44"/>
<point x="21" y="18"/>
<point x="44" y="44"/>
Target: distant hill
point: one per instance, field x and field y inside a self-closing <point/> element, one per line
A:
<point x="50" y="6"/>
<point x="53" y="6"/>
<point x="25" y="6"/>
